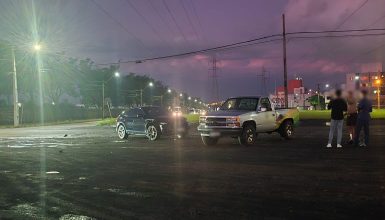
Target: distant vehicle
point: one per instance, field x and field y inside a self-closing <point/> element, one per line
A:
<point x="177" y="111"/>
<point x="151" y="122"/>
<point x="244" y="118"/>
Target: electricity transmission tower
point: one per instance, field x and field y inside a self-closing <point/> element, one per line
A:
<point x="264" y="75"/>
<point x="214" y="78"/>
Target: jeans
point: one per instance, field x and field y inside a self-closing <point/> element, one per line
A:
<point x="336" y="124"/>
<point x="362" y="123"/>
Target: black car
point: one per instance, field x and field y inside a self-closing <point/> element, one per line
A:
<point x="151" y="122"/>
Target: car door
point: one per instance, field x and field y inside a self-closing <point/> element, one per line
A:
<point x="129" y="116"/>
<point x="139" y="121"/>
<point x="266" y="120"/>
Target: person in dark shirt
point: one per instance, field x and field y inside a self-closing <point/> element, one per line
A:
<point x="338" y="107"/>
<point x="363" y="119"/>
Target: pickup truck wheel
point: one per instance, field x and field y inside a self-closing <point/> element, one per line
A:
<point x="153" y="133"/>
<point x="248" y="136"/>
<point x="122" y="133"/>
<point x="287" y="130"/>
<point x="208" y="141"/>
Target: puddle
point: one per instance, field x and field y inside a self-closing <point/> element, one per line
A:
<point x="75" y="217"/>
<point x="52" y="172"/>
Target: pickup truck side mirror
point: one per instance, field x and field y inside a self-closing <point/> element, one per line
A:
<point x="263" y="109"/>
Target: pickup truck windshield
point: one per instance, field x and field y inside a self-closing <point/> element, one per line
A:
<point x="246" y="104"/>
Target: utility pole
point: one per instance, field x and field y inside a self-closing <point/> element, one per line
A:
<point x="284" y="60"/>
<point x="15" y="94"/>
<point x="318" y="93"/>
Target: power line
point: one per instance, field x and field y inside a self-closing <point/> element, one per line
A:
<point x="255" y="41"/>
<point x="348" y="17"/>
<point x="189" y="19"/>
<point x="160" y="15"/>
<point x="174" y="20"/>
<point x="118" y="23"/>
<point x="196" y="51"/>
<point x="145" y="20"/>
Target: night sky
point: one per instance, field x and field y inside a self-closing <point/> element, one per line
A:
<point x="137" y="29"/>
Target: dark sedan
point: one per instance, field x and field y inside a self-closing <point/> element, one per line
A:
<point x="151" y="122"/>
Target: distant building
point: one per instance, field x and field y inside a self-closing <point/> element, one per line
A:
<point x="297" y="95"/>
<point x="373" y="82"/>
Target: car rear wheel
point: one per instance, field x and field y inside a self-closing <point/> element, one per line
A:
<point x="122" y="133"/>
<point x="209" y="141"/>
<point x="287" y="129"/>
<point x="248" y="136"/>
<point x="153" y="132"/>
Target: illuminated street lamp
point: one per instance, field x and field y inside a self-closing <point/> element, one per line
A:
<point x="181" y="95"/>
<point x="37" y="47"/>
<point x="327" y="85"/>
<point x="117" y="74"/>
<point x="169" y="90"/>
<point x="150" y="84"/>
<point x="195" y="100"/>
<point x="356" y="77"/>
<point x="189" y="98"/>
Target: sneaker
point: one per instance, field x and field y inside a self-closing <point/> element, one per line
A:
<point x="329" y="146"/>
<point x="363" y="145"/>
<point x="339" y="146"/>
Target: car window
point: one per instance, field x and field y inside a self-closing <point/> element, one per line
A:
<point x="131" y="112"/>
<point x="265" y="103"/>
<point x="247" y="104"/>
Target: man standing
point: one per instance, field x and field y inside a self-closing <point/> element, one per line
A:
<point x="363" y="119"/>
<point x="351" y="119"/>
<point x="338" y="107"/>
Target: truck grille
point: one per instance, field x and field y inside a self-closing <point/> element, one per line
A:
<point x="215" y="121"/>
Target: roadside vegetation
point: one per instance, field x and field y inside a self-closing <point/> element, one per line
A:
<point x="325" y="114"/>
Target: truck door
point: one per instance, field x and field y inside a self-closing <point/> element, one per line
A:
<point x="266" y="120"/>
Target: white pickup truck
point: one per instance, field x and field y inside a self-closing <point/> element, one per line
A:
<point x="244" y="118"/>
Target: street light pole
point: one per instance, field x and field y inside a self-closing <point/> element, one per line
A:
<point x="15" y="93"/>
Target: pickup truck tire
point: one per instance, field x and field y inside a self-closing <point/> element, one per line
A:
<point x="248" y="136"/>
<point x="209" y="141"/>
<point x="287" y="130"/>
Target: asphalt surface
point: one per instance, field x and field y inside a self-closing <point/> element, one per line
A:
<point x="83" y="171"/>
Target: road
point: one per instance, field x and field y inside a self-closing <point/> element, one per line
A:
<point x="83" y="171"/>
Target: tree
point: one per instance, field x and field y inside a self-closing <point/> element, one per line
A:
<point x="313" y="100"/>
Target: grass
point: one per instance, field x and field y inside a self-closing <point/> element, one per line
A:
<point x="50" y="123"/>
<point x="325" y="114"/>
<point x="107" y="122"/>
<point x="192" y="118"/>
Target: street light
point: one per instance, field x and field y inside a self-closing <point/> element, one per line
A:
<point x="189" y="98"/>
<point x="181" y="95"/>
<point x="169" y="90"/>
<point x="37" y="47"/>
<point x="150" y="84"/>
<point x="356" y="77"/>
<point x="327" y="85"/>
<point x="116" y="75"/>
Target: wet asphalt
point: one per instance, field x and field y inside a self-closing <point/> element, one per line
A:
<point x="83" y="171"/>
